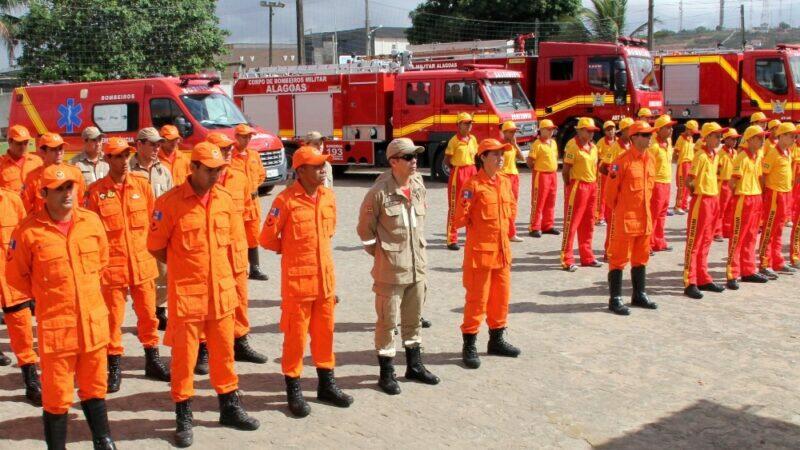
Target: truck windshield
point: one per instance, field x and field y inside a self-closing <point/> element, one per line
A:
<point x="213" y="110"/>
<point x="507" y="95"/>
<point x="794" y="64"/>
<point x="642" y="74"/>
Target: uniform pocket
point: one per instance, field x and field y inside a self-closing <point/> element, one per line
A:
<point x="90" y="255"/>
<point x="239" y="249"/>
<point x="222" y="225"/>
<point x="138" y="215"/>
<point x="111" y="213"/>
<point x="489" y="211"/>
<point x="190" y="232"/>
<point x="192" y="299"/>
<point x="328" y="220"/>
<point x="99" y="327"/>
<point x="302" y="223"/>
<point x="303" y="281"/>
<point x="227" y="294"/>
<point x="59" y="334"/>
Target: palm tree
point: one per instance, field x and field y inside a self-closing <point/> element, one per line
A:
<point x="9" y="26"/>
<point x="604" y="21"/>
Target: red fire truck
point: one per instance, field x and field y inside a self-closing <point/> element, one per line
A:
<point x="730" y="85"/>
<point x="194" y="103"/>
<point x="566" y="80"/>
<point x="361" y="106"/>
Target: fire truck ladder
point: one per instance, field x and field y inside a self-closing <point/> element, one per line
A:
<point x="371" y="66"/>
<point x="463" y="50"/>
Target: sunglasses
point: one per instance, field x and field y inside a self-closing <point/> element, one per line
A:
<point x="410" y="157"/>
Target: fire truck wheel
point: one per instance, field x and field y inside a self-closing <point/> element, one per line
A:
<point x="440" y="171"/>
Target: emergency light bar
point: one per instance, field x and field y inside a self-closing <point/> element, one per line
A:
<point x="212" y="80"/>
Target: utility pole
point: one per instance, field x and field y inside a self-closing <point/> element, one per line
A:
<point x="366" y="28"/>
<point x="271" y="6"/>
<point x="741" y="22"/>
<point x="680" y="16"/>
<point x="650" y="25"/>
<point x="301" y="41"/>
<point x="721" y="14"/>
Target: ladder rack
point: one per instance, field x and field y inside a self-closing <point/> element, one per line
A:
<point x="371" y="66"/>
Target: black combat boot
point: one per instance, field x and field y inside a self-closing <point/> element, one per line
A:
<point x="498" y="345"/>
<point x="161" y="315"/>
<point x="639" y="297"/>
<point x="469" y="353"/>
<point x="415" y="370"/>
<point x="33" y="388"/>
<point x="255" y="270"/>
<point x="184" y="437"/>
<point x="691" y="291"/>
<point x="387" y="381"/>
<point x="97" y="417"/>
<point x="232" y="413"/>
<point x="55" y="430"/>
<point x="201" y="366"/>
<point x="294" y="397"/>
<point x="329" y="392"/>
<point x="4" y="360"/>
<point x="425" y="323"/>
<point x="615" y="293"/>
<point x="711" y="287"/>
<point x="155" y="368"/>
<point x="114" y="373"/>
<point x="244" y="353"/>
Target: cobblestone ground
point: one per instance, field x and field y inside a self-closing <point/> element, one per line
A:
<point x="717" y="373"/>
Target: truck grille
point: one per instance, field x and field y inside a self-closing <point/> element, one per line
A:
<point x="271" y="158"/>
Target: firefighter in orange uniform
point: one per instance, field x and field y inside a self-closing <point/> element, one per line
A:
<point x="191" y="232"/>
<point x="57" y="254"/>
<point x="746" y="210"/>
<point x="17" y="163"/>
<point x="52" y="148"/>
<point x="777" y="181"/>
<point x="248" y="161"/>
<point x="299" y="227"/>
<point x="684" y="152"/>
<point x="460" y="157"/>
<point x="723" y="226"/>
<point x="621" y="145"/>
<point x="17" y="313"/>
<point x="170" y="155"/>
<point x="630" y="188"/>
<point x="543" y="161"/>
<point x="604" y="145"/>
<point x="580" y="181"/>
<point x="484" y="208"/>
<point x="661" y="151"/>
<point x="510" y="158"/>
<point x="237" y="183"/>
<point x="124" y="202"/>
<point x="702" y="213"/>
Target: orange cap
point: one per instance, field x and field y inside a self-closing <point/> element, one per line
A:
<point x="509" y="125"/>
<point x="57" y="174"/>
<point x="117" y="145"/>
<point x="208" y="155"/>
<point x="306" y="155"/>
<point x="244" y="129"/>
<point x="51" y="140"/>
<point x="169" y="132"/>
<point x="219" y="139"/>
<point x="488" y="145"/>
<point x="19" y="133"/>
<point x="640" y="127"/>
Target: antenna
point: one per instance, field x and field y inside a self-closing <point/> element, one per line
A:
<point x="764" y="14"/>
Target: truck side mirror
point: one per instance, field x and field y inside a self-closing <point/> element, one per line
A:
<point x="184" y="126"/>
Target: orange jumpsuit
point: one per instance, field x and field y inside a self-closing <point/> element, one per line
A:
<point x="484" y="209"/>
<point x="201" y="288"/>
<point x="178" y="164"/>
<point x="32" y="191"/>
<point x="236" y="182"/>
<point x="13" y="173"/>
<point x="18" y="315"/>
<point x="629" y="193"/>
<point x="249" y="162"/>
<point x="300" y="228"/>
<point x="63" y="274"/>
<point x="125" y="212"/>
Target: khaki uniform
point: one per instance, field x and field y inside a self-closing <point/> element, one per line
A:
<point x="392" y="228"/>
<point x="161" y="180"/>
<point x="91" y="171"/>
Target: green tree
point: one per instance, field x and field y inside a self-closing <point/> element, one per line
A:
<point x="104" y="39"/>
<point x="467" y="20"/>
<point x="9" y="26"/>
<point x="604" y="21"/>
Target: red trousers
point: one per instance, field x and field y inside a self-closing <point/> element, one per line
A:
<point x="699" y="235"/>
<point x="600" y="205"/>
<point x="512" y="226"/>
<point x="682" y="191"/>
<point x="241" y="324"/>
<point x="794" y="245"/>
<point x="543" y="200"/>
<point x="488" y="292"/>
<point x="775" y="212"/>
<point x="299" y="319"/>
<point x="659" y="204"/>
<point x="59" y="373"/>
<point x="579" y="201"/>
<point x="745" y="215"/>
<point x="20" y="333"/>
<point x="723" y="225"/>
<point x="623" y="248"/>
<point x="458" y="177"/>
<point x="144" y="305"/>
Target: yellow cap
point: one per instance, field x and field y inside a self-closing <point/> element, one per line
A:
<point x="711" y="127"/>
<point x="464" y="117"/>
<point x="693" y="126"/>
<point x="625" y="122"/>
<point x="731" y="133"/>
<point x="784" y="128"/>
<point x="546" y="123"/>
<point x="645" y="113"/>
<point x="509" y="125"/>
<point x="586" y="123"/>
<point x="773" y="123"/>
<point x="758" y="117"/>
<point x="753" y="131"/>
<point x="609" y="123"/>
<point x="664" y="120"/>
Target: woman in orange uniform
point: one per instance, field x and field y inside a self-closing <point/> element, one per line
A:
<point x="484" y="209"/>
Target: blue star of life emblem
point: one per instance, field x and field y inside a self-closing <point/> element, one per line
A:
<point x="69" y="115"/>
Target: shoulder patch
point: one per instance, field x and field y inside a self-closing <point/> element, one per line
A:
<point x="157" y="215"/>
<point x="466" y="194"/>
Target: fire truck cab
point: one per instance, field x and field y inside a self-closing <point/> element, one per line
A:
<point x="195" y="104"/>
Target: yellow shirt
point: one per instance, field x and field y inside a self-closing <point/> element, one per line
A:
<point x="726" y="164"/>
<point x="685" y="148"/>
<point x="704" y="171"/>
<point x="545" y="155"/>
<point x="510" y="161"/>
<point x="661" y="152"/>
<point x="747" y="170"/>
<point x="616" y="151"/>
<point x="604" y="147"/>
<point x="462" y="151"/>
<point x="777" y="170"/>
<point x="698" y="147"/>
<point x="583" y="161"/>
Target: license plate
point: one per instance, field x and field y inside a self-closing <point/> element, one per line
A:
<point x="272" y="173"/>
